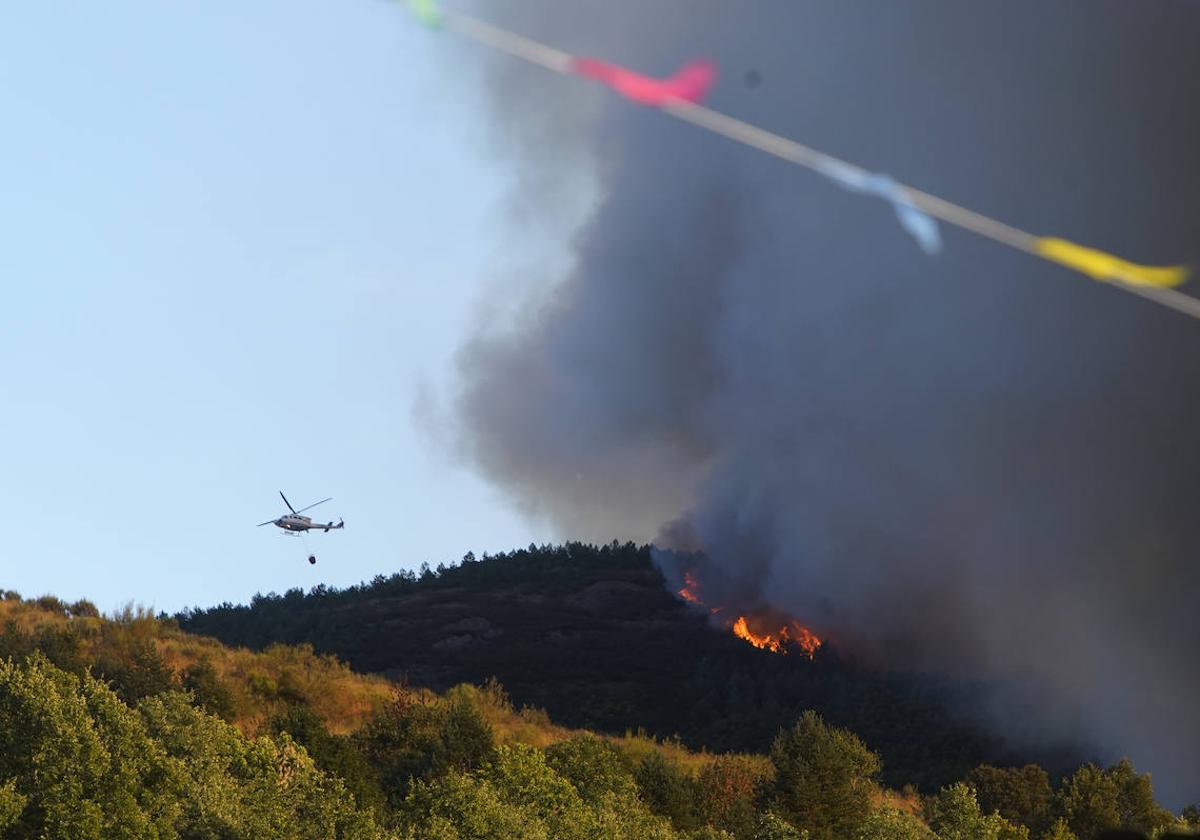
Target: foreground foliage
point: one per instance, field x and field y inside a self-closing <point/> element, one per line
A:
<point x="80" y="763"/>
<point x="131" y="728"/>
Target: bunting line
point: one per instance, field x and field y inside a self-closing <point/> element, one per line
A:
<point x="681" y="96"/>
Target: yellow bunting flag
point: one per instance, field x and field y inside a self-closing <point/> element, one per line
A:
<point x="1102" y="266"/>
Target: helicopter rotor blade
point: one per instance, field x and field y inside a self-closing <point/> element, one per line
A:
<point x="268" y="522"/>
<point x="314" y="504"/>
<point x="286" y="502"/>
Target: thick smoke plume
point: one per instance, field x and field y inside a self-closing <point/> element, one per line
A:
<point x="980" y="464"/>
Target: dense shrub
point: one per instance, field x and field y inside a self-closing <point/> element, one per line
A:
<point x="209" y="690"/>
<point x="136" y="672"/>
<point x="668" y="790"/>
<point x="593" y="766"/>
<point x="337" y="755"/>
<point x="84" y="608"/>
<point x="727" y="794"/>
<point x="418" y="737"/>
<point x="893" y="824"/>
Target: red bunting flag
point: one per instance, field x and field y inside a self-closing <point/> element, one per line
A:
<point x="690" y="84"/>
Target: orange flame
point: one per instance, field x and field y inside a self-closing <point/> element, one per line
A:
<point x="792" y="633"/>
<point x="687" y="593"/>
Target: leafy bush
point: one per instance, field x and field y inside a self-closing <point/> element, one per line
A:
<point x="337" y="755"/>
<point x="417" y="737"/>
<point x="84" y="608"/>
<point x="523" y="778"/>
<point x="727" y="794"/>
<point x="668" y="790"/>
<point x="467" y="739"/>
<point x="49" y="603"/>
<point x="208" y="690"/>
<point x="773" y="827"/>
<point x="458" y="805"/>
<point x="893" y="824"/>
<point x="593" y="766"/>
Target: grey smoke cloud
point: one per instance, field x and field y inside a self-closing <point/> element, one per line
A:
<point x="979" y="463"/>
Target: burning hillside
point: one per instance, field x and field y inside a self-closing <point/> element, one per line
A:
<point x="763" y="628"/>
<point x="791" y="634"/>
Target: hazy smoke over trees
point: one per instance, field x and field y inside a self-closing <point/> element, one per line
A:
<point x="979" y="463"/>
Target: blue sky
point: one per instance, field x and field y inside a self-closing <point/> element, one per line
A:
<point x="240" y="241"/>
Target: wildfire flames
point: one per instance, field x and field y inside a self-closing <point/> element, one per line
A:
<point x="687" y="593"/>
<point x="790" y="635"/>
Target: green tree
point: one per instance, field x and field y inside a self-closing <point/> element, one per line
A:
<point x="727" y="793"/>
<point x="84" y="608"/>
<point x="78" y="760"/>
<point x="520" y="775"/>
<point x="668" y="790"/>
<point x="771" y="826"/>
<point x="954" y="814"/>
<point x="15" y="643"/>
<point x="208" y="690"/>
<point x="594" y="766"/>
<point x="136" y="671"/>
<point x="467" y="738"/>
<point x="62" y="645"/>
<point x="239" y="788"/>
<point x="1093" y="800"/>
<point x="1059" y="831"/>
<point x="517" y="794"/>
<point x="1191" y="816"/>
<point x="1021" y="795"/>
<point x="893" y="824"/>
<point x="12" y="804"/>
<point x="337" y="755"/>
<point x="622" y="816"/>
<point x="823" y="778"/>
<point x="707" y="832"/>
<point x="458" y="805"/>
<point x="415" y="737"/>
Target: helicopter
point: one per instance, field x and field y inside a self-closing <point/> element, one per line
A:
<point x="294" y="522"/>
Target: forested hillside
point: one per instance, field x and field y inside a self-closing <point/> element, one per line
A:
<point x="127" y="726"/>
<point x="593" y="636"/>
